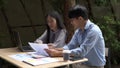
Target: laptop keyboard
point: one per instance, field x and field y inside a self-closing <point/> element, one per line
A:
<point x="27" y="48"/>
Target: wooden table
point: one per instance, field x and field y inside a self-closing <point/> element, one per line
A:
<point x="4" y="54"/>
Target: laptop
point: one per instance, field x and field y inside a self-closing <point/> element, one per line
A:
<point x="21" y="47"/>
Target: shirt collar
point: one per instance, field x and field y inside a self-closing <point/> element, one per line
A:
<point x="87" y="24"/>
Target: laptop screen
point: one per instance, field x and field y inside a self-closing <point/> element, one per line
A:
<point x="19" y="44"/>
<point x="17" y="39"/>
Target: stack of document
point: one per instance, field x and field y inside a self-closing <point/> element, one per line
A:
<point x="39" y="61"/>
<point x="20" y="57"/>
<point x="33" y="58"/>
<point x="29" y="55"/>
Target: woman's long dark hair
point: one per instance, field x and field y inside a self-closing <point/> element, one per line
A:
<point x="59" y="21"/>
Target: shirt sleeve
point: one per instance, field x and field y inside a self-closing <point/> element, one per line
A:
<point x="89" y="42"/>
<point x="43" y="37"/>
<point x="60" y="41"/>
<point x="73" y="42"/>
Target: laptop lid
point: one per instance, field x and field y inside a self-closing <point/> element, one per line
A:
<point x="19" y="44"/>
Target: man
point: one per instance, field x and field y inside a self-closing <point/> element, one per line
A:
<point x="87" y="40"/>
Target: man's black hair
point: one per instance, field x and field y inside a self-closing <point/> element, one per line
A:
<point x="77" y="11"/>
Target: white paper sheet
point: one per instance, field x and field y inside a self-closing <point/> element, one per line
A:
<point x="39" y="48"/>
<point x="29" y="55"/>
<point x="35" y="62"/>
<point x="20" y="57"/>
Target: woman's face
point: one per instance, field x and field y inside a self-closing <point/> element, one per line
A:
<point x="52" y="23"/>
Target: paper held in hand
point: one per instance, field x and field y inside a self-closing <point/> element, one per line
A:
<point x="39" y="48"/>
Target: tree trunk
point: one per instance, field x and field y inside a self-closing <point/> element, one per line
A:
<point x="90" y="10"/>
<point x="112" y="9"/>
<point x="67" y="5"/>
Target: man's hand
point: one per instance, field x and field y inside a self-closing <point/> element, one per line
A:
<point x="53" y="52"/>
<point x="59" y="49"/>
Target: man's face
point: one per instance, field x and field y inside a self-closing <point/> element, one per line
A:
<point x="75" y="22"/>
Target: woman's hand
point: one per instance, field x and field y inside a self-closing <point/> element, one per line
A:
<point x="39" y="41"/>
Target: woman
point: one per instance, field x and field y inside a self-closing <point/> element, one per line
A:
<point x="55" y="34"/>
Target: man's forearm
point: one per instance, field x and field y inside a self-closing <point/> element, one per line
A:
<point x="60" y="53"/>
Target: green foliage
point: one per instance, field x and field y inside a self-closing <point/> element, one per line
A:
<point x="105" y="2"/>
<point x="109" y="29"/>
<point x="102" y="2"/>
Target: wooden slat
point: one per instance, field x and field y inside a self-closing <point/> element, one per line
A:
<point x="15" y="13"/>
